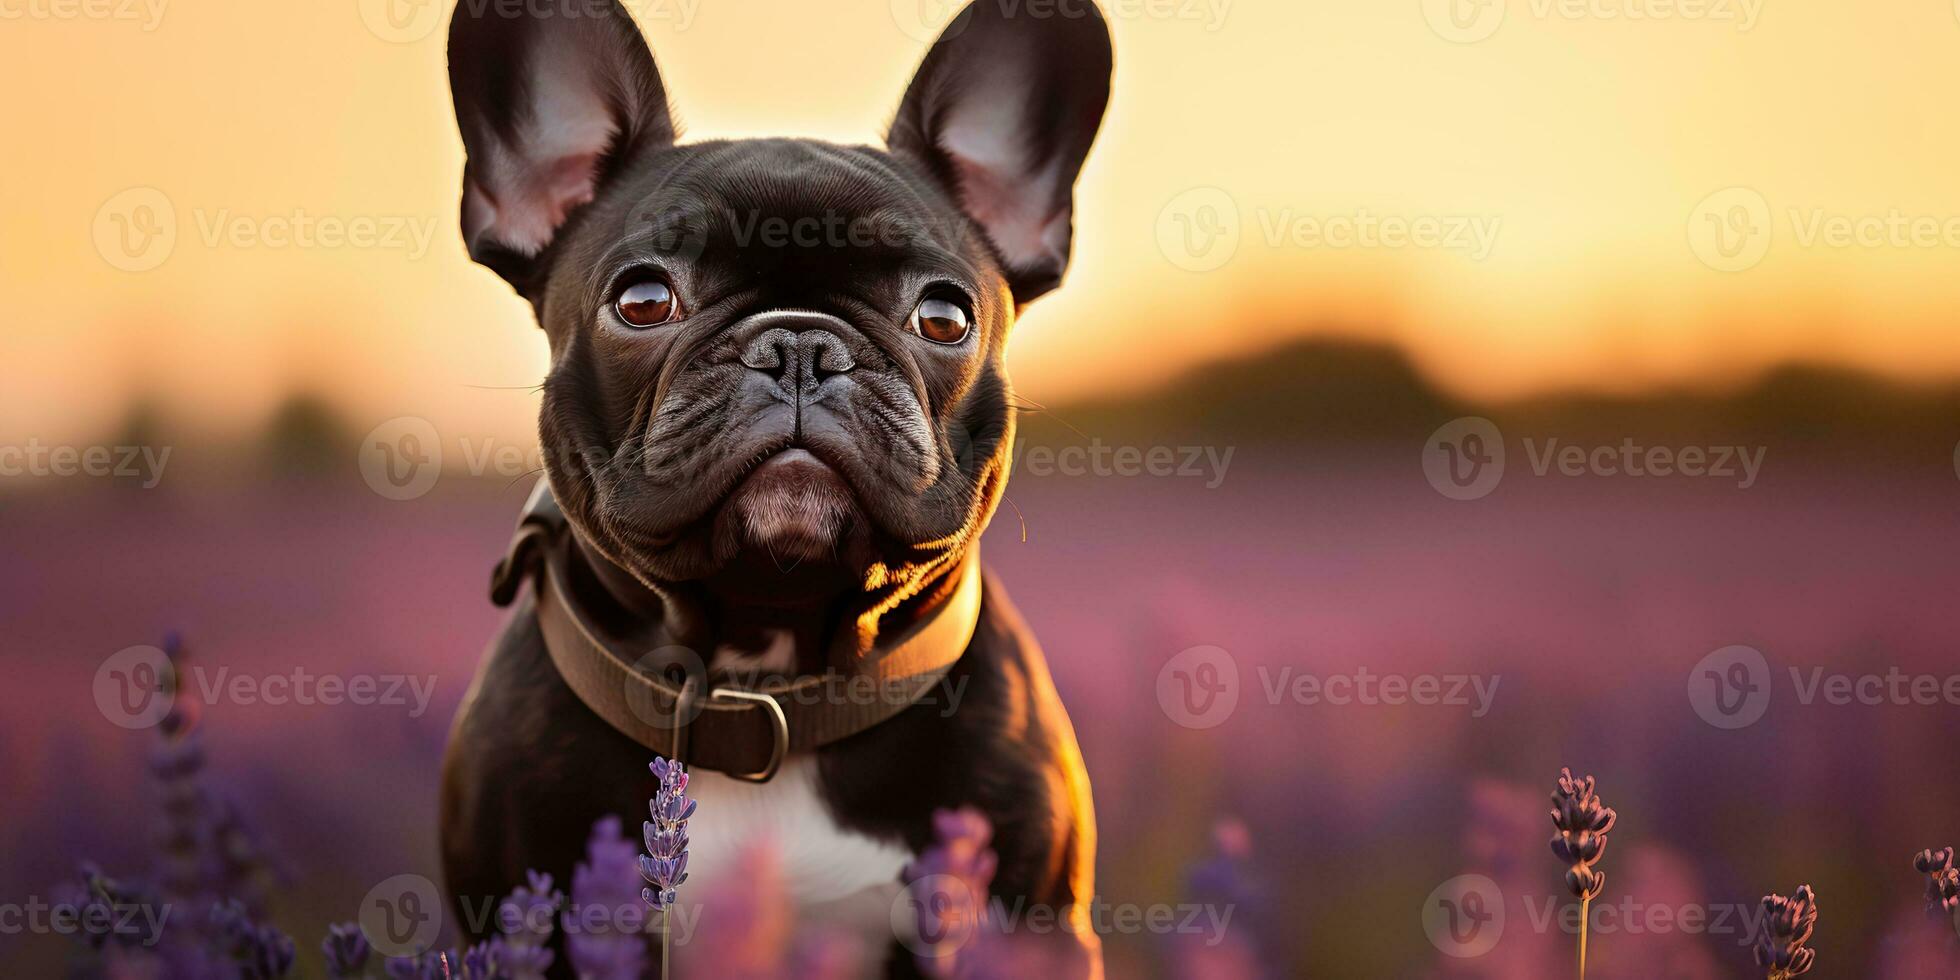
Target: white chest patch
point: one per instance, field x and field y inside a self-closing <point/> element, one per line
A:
<point x="832" y="875"/>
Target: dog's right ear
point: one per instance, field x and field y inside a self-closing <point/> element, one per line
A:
<point x="549" y="105"/>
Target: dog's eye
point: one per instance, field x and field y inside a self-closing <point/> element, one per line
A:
<point x="648" y="303"/>
<point x="940" y="320"/>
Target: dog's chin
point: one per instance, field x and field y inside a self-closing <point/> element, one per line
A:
<point x="793" y="508"/>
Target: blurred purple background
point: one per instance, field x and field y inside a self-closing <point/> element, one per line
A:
<point x="1322" y="548"/>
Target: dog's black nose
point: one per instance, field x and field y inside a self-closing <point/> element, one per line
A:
<point x="796" y="349"/>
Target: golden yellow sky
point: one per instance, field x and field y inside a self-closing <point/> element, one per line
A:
<point x="1582" y="137"/>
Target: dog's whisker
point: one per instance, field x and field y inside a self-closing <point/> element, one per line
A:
<point x="1023" y="518"/>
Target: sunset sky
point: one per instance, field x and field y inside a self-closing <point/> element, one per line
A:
<point x="1602" y="176"/>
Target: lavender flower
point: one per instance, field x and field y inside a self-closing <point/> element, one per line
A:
<point x="959" y="935"/>
<point x="422" y="966"/>
<point x="605" y="888"/>
<point x="1582" y="823"/>
<point x="447" y="964"/>
<point x="261" y="952"/>
<point x="483" y="961"/>
<point x="1942" y="882"/>
<point x="1223" y="881"/>
<point x="102" y="899"/>
<point x="528" y="915"/>
<point x="1788" y="924"/>
<point x="949" y="884"/>
<point x="345" y="949"/>
<point x="665" y="864"/>
<point x="185" y="839"/>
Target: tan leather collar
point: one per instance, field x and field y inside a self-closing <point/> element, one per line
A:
<point x="744" y="732"/>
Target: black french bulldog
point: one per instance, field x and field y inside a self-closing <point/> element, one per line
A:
<point x="776" y="421"/>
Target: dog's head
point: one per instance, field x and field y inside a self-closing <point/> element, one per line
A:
<point x="774" y="354"/>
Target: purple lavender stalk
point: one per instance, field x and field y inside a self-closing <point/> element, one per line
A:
<point x="1788" y="923"/>
<point x="607" y="945"/>
<point x="949" y="885"/>
<point x="483" y="961"/>
<point x="527" y="918"/>
<point x="260" y="952"/>
<point x="422" y="966"/>
<point x="345" y="949"/>
<point x="1942" y="884"/>
<point x="1582" y="822"/>
<point x="665" y="864"/>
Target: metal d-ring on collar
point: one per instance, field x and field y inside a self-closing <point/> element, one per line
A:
<point x="686" y="705"/>
<point x="772" y="710"/>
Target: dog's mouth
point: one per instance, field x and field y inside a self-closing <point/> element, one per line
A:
<point x="793" y="504"/>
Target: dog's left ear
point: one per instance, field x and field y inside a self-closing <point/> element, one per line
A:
<point x="1003" y="110"/>
<point x="549" y="105"/>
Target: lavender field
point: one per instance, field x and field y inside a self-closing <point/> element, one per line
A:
<point x="1558" y="621"/>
